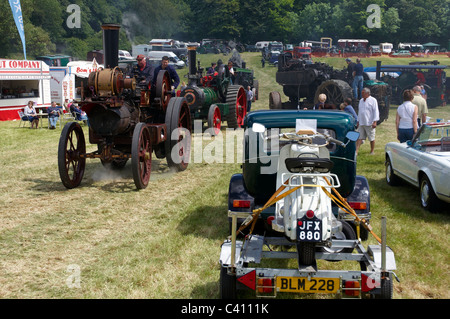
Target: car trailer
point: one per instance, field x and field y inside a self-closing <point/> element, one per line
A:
<point x="374" y="280"/>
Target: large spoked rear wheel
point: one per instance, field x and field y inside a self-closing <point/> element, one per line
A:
<point x="70" y="163"/>
<point x="335" y="90"/>
<point x="178" y="142"/>
<point x="141" y="155"/>
<point x="237" y="102"/>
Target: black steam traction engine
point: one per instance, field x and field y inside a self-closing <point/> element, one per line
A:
<point x="126" y="120"/>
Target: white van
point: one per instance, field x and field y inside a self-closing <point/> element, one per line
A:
<point x="386" y="47"/>
<point x="125" y="55"/>
<point x="261" y="44"/>
<point x="173" y="59"/>
<point x="141" y="49"/>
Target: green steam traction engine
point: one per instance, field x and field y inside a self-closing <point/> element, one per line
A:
<point x="212" y="98"/>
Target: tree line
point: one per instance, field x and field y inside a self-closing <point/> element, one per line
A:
<point x="49" y="25"/>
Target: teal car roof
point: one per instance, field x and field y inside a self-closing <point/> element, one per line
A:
<point x="341" y="122"/>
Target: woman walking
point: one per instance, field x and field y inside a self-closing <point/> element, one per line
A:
<point x="406" y="119"/>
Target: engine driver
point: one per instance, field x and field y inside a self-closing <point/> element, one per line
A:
<point x="145" y="70"/>
<point x="174" y="78"/>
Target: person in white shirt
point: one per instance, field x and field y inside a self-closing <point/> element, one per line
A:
<point x="368" y="116"/>
<point x="30" y="112"/>
<point x="406" y="118"/>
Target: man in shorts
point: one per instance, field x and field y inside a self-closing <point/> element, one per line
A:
<point x="368" y="116"/>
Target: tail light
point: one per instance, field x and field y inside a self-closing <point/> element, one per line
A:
<point x="270" y="219"/>
<point x="358" y="205"/>
<point x="241" y="203"/>
<point x="310" y="214"/>
<point x="265" y="285"/>
<point x="352" y="288"/>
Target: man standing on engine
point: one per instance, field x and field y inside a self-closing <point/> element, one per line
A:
<point x="358" y="78"/>
<point x="174" y="78"/>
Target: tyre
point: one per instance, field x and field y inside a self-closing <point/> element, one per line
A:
<point x="391" y="178"/>
<point x="335" y="90"/>
<point x="237" y="102"/>
<point x="306" y="254"/>
<point x="428" y="198"/>
<point x="227" y="284"/>
<point x="71" y="164"/>
<point x="163" y="89"/>
<point x="387" y="288"/>
<point x="275" y="100"/>
<point x="141" y="155"/>
<point x="347" y="233"/>
<point x="214" y="120"/>
<point x="178" y="142"/>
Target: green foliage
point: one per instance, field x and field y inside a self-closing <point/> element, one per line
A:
<point x="247" y="21"/>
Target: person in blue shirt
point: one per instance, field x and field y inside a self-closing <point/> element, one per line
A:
<point x="347" y="107"/>
<point x="358" y="71"/>
<point x="53" y="115"/>
<point x="174" y="78"/>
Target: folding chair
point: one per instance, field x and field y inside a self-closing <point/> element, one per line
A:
<point x="23" y="119"/>
<point x="66" y="117"/>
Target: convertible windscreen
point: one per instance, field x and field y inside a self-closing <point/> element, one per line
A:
<point x="433" y="138"/>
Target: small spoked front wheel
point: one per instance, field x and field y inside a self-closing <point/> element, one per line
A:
<point x="71" y="148"/>
<point x="141" y="155"/>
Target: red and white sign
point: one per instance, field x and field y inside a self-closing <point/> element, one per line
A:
<point x="33" y="85"/>
<point x="83" y="68"/>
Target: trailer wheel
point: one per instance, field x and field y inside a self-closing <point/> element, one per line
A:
<point x="178" y="142"/>
<point x="237" y="101"/>
<point x="214" y="120"/>
<point x="274" y="100"/>
<point x="306" y="254"/>
<point x="227" y="284"/>
<point x="70" y="148"/>
<point x="387" y="288"/>
<point x="141" y="155"/>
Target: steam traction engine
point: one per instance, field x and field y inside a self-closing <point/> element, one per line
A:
<point x="127" y="120"/>
<point x="304" y="80"/>
<point x="213" y="98"/>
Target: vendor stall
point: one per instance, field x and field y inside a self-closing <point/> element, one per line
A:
<point x="22" y="81"/>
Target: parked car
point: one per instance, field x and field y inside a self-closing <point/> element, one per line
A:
<point x="257" y="182"/>
<point x="405" y="53"/>
<point x="424" y="162"/>
<point x="173" y="59"/>
<point x="125" y="55"/>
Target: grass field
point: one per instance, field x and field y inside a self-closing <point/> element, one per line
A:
<point x="104" y="239"/>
